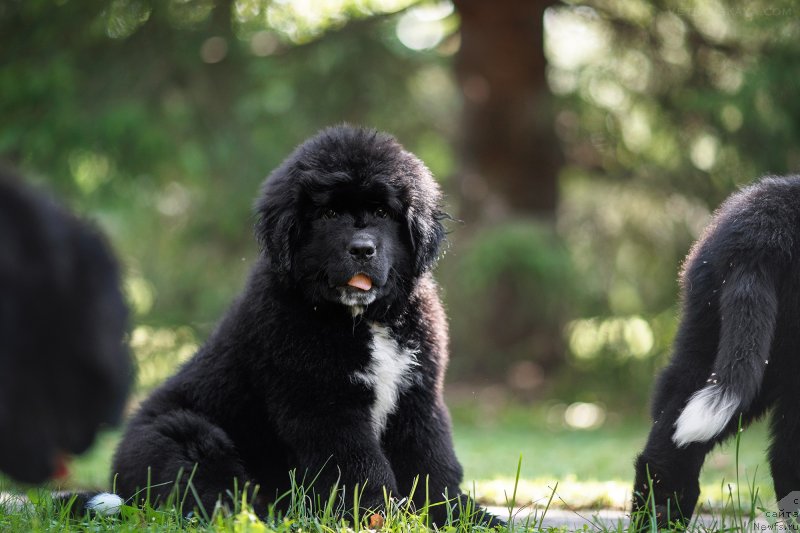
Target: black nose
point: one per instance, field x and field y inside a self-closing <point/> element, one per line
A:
<point x="361" y="248"/>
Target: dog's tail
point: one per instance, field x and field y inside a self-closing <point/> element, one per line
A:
<point x="748" y="307"/>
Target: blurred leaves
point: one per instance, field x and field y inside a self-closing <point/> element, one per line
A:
<point x="527" y="254"/>
<point x="666" y="108"/>
<point x="509" y="290"/>
<point x="159" y="351"/>
<point x="159" y="119"/>
<point x="659" y="92"/>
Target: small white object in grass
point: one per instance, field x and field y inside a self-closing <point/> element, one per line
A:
<point x="14" y="503"/>
<point x="105" y="504"/>
<point x="708" y="412"/>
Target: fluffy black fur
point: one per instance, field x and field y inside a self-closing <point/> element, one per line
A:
<point x="64" y="369"/>
<point x="284" y="381"/>
<point x="737" y="342"/>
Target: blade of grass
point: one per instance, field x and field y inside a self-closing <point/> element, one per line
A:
<point x="546" y="507"/>
<point x="513" y="502"/>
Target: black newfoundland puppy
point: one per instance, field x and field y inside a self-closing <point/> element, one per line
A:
<point x="64" y="369"/>
<point x="736" y="351"/>
<point x="331" y="361"/>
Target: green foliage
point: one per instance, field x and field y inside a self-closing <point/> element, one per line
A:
<point x="511" y="289"/>
<point x="159" y="119"/>
<point x="666" y="107"/>
<point x="528" y="253"/>
<point x="677" y="95"/>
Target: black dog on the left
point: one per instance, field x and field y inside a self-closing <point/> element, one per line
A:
<point x="64" y="368"/>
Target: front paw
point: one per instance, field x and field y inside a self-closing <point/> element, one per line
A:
<point x="663" y="495"/>
<point x="661" y="506"/>
<point x="663" y="515"/>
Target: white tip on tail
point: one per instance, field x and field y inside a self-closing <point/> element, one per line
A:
<point x="105" y="504"/>
<point x="706" y="414"/>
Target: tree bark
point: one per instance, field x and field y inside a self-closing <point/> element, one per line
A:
<point x="510" y="153"/>
<point x="510" y="158"/>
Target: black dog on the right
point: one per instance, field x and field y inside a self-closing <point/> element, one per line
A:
<point x="736" y="352"/>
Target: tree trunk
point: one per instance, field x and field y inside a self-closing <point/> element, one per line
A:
<point x="510" y="153"/>
<point x="510" y="158"/>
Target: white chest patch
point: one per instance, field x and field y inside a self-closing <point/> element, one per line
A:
<point x="388" y="374"/>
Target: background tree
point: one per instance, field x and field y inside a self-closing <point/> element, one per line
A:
<point x="509" y="153"/>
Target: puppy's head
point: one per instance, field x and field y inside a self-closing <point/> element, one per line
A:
<point x="350" y="217"/>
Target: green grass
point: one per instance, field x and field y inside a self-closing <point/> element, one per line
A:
<point x="561" y="467"/>
<point x="594" y="469"/>
<point x="303" y="511"/>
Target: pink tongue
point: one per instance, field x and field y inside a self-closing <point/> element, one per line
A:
<point x="360" y="281"/>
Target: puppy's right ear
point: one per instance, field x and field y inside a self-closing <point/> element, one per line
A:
<point x="276" y="225"/>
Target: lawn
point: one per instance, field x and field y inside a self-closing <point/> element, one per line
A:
<point x="592" y="468"/>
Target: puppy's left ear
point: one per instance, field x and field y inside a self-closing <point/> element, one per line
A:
<point x="276" y="225"/>
<point x="427" y="234"/>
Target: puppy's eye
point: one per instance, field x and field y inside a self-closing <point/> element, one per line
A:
<point x="329" y="214"/>
<point x="381" y="213"/>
